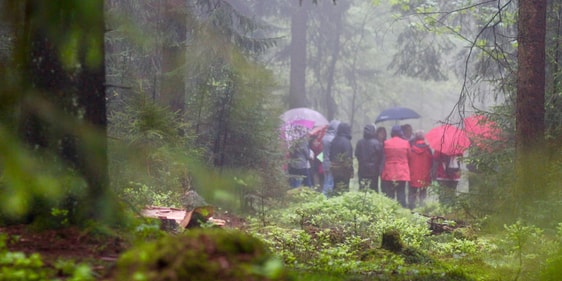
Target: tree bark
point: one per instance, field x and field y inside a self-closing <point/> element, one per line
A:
<point x="297" y="88"/>
<point x="72" y="121"/>
<point x="331" y="106"/>
<point x="530" y="110"/>
<point x="172" y="91"/>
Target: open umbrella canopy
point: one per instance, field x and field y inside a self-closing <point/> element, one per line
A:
<point x="302" y="122"/>
<point x="448" y="140"/>
<point x="303" y="114"/>
<point x="481" y="131"/>
<point x="293" y="132"/>
<point x="478" y="126"/>
<point x="397" y="113"/>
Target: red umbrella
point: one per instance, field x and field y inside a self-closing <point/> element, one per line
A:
<point x="480" y="126"/>
<point x="448" y="140"/>
<point x="479" y="129"/>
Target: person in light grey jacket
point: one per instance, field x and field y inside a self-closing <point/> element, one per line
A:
<point x="328" y="185"/>
<point x="300" y="156"/>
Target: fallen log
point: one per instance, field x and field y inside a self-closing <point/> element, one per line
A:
<point x="173" y="218"/>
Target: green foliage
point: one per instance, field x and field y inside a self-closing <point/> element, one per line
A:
<point x="140" y="194"/>
<point x="202" y="254"/>
<point x="148" y="157"/>
<point x="75" y="271"/>
<point x="19" y="266"/>
<point x="146" y="230"/>
<point x="61" y="214"/>
<point x="341" y="234"/>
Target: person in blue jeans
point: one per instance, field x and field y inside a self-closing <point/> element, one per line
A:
<point x="328" y="186"/>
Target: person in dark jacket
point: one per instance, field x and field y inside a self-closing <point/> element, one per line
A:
<point x="328" y="185"/>
<point x="420" y="161"/>
<point x="341" y="157"/>
<point x="369" y="153"/>
<point x="381" y="136"/>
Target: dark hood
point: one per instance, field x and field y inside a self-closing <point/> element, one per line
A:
<point x="344" y="130"/>
<point x="369" y="131"/>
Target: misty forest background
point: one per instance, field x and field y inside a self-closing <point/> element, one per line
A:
<point x="110" y="106"/>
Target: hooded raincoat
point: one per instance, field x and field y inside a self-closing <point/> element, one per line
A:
<point x="369" y="153"/>
<point x="327" y="141"/>
<point x="341" y="155"/>
<point x="421" y="161"/>
<point x="396" y="150"/>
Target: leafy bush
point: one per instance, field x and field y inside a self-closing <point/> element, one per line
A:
<point x="313" y="232"/>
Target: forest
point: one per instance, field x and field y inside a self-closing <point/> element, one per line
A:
<point x="112" y="109"/>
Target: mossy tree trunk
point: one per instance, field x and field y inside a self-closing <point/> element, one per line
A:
<point x="64" y="110"/>
<point x="530" y="108"/>
<point x="299" y="25"/>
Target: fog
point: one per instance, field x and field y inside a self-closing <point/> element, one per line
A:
<point x="359" y="61"/>
<point x="349" y="60"/>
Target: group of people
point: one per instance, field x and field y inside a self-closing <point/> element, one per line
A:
<point x="402" y="162"/>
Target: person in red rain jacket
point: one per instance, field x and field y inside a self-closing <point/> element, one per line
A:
<point x="420" y="161"/>
<point x="396" y="171"/>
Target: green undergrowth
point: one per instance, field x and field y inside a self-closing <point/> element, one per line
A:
<point x="16" y="266"/>
<point x="201" y="254"/>
<point x="344" y="237"/>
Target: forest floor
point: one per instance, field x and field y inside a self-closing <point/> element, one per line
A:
<point x="79" y="246"/>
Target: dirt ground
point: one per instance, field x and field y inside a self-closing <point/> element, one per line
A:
<point x="79" y="245"/>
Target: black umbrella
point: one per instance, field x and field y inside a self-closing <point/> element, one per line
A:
<point x="397" y="113"/>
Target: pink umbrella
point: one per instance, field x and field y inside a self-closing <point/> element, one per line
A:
<point x="302" y="113"/>
<point x="302" y="122"/>
<point x="448" y="139"/>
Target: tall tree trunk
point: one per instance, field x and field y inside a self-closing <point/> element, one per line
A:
<point x="297" y="89"/>
<point x="530" y="161"/>
<point x="172" y="91"/>
<point x="92" y="97"/>
<point x="75" y="91"/>
<point x="329" y="95"/>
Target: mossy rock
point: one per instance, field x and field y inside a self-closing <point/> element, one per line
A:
<point x="201" y="254"/>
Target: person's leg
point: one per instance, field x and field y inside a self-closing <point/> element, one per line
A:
<point x="412" y="194"/>
<point x="293" y="178"/>
<point x="401" y="193"/>
<point x="328" y="187"/>
<point x="422" y="195"/>
<point x="374" y="184"/>
<point x="341" y="184"/>
<point x="363" y="183"/>
<point x="388" y="189"/>
<point x="378" y="187"/>
<point x="307" y="181"/>
<point x="345" y="186"/>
